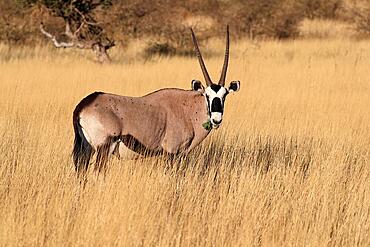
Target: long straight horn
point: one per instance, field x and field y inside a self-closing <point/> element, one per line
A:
<point x="226" y="61"/>
<point x="201" y="62"/>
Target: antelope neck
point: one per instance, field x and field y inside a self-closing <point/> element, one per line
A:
<point x="208" y="111"/>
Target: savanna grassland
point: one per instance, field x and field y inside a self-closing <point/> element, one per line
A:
<point x="289" y="167"/>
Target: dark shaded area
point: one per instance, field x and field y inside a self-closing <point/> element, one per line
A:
<point x="261" y="154"/>
<point x="135" y="145"/>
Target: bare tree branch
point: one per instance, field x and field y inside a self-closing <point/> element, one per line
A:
<point x="110" y="44"/>
<point x="84" y="18"/>
<point x="57" y="44"/>
<point x="82" y="30"/>
<point x="68" y="31"/>
<point x="78" y="29"/>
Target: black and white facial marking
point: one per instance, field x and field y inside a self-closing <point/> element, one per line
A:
<point x="216" y="95"/>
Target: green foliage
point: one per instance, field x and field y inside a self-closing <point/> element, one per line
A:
<point x="207" y="125"/>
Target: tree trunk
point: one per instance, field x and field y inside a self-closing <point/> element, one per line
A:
<point x="101" y="53"/>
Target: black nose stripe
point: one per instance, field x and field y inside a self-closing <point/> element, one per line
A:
<point x="216" y="105"/>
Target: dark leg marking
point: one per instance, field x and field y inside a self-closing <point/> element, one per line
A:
<point x="135" y="145"/>
<point x="103" y="154"/>
<point x="102" y="157"/>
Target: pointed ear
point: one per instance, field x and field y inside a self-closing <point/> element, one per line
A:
<point x="197" y="86"/>
<point x="234" y="86"/>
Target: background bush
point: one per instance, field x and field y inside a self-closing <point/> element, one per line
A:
<point x="359" y="13"/>
<point x="164" y="24"/>
<point x="328" y="9"/>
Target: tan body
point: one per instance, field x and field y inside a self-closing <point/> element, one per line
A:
<point x="168" y="120"/>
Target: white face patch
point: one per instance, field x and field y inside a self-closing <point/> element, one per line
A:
<point x="212" y="94"/>
<point x="216" y="119"/>
<point x="215" y="95"/>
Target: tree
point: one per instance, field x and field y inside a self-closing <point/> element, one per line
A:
<point x="81" y="28"/>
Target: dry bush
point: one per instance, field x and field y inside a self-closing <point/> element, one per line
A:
<point x="327" y="9"/>
<point x="16" y="24"/>
<point x="264" y="19"/>
<point x="289" y="166"/>
<point x="166" y="23"/>
<point x="162" y="23"/>
<point x="359" y="13"/>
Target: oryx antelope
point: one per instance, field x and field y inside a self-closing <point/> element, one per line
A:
<point x="169" y="120"/>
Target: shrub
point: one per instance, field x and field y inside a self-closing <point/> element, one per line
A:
<point x="322" y="9"/>
<point x="166" y="23"/>
<point x="359" y="12"/>
<point x="264" y="19"/>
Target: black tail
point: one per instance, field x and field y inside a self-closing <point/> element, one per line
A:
<point x="82" y="150"/>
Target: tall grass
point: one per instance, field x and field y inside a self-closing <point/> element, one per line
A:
<point x="289" y="167"/>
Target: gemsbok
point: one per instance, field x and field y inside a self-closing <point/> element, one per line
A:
<point x="169" y="120"/>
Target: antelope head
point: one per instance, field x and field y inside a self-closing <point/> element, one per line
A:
<point x="215" y="93"/>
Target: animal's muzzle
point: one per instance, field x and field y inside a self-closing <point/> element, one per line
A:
<point x="216" y="119"/>
<point x="216" y="112"/>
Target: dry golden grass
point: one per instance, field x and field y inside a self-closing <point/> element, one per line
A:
<point x="289" y="167"/>
<point x="327" y="29"/>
